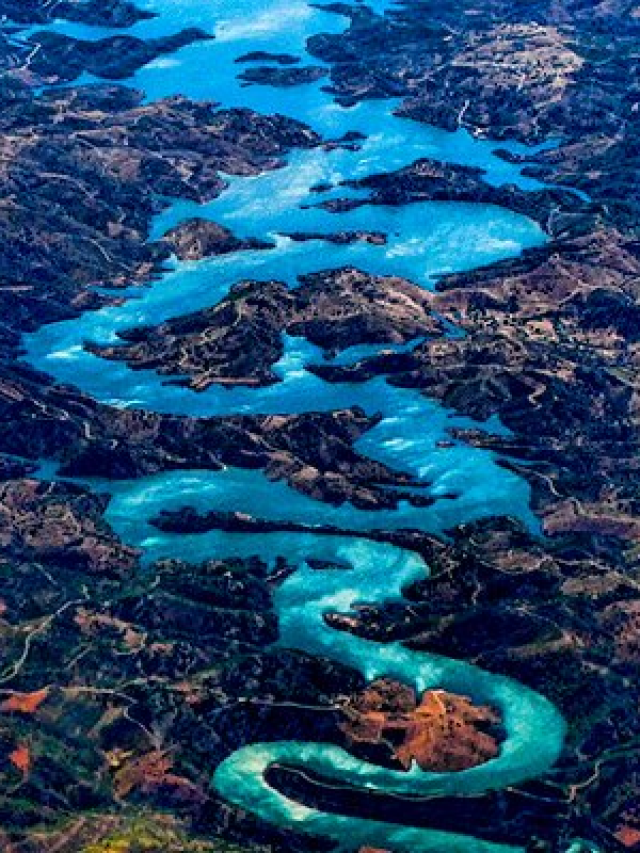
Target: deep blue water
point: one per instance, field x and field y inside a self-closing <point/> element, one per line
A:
<point x="425" y="240"/>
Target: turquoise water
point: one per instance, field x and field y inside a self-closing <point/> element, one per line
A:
<point x="425" y="240"/>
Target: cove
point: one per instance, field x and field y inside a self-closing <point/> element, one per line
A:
<point x="425" y="240"/>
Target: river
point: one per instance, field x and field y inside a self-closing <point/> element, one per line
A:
<point x="425" y="240"/>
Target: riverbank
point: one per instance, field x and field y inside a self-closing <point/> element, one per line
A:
<point x="544" y="339"/>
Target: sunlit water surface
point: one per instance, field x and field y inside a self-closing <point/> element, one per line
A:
<point x="424" y="240"/>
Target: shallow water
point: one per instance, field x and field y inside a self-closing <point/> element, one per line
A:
<point x="424" y="240"/>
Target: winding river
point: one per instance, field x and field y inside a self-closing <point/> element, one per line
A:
<point x="425" y="240"/>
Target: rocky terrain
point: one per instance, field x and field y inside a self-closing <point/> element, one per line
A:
<point x="441" y="732"/>
<point x="121" y="689"/>
<point x="550" y="345"/>
<point x="121" y="692"/>
<point x="428" y="180"/>
<point x="569" y="610"/>
<point x="313" y="452"/>
<point x="104" y="13"/>
<point x="110" y="156"/>
<point x="238" y="341"/>
<point x="54" y="58"/>
<point x="196" y="239"/>
<point x="266" y="56"/>
<point x="340" y="238"/>
<point x="283" y="75"/>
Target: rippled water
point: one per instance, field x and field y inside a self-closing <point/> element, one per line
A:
<point x="424" y="240"/>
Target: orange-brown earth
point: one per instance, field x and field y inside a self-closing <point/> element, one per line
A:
<point x="439" y="731"/>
